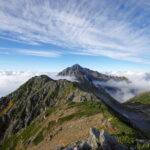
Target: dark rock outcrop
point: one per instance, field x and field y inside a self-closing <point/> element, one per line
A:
<point x="98" y="140"/>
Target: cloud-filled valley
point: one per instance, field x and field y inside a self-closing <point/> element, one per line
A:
<point x="140" y="82"/>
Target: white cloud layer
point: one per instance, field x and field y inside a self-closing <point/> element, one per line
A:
<point x="140" y="82"/>
<point x="116" y="29"/>
<point x="11" y="80"/>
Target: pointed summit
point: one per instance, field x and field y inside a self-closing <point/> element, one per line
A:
<point x="76" y="66"/>
<point x="74" y="70"/>
<point x="85" y="74"/>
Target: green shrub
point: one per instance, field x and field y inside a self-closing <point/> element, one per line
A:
<point x="10" y="143"/>
<point x="66" y="118"/>
<point x="88" y="108"/>
<point x="143" y="98"/>
<point x="29" y="132"/>
<point x="50" y="124"/>
<point x="49" y="111"/>
<point x="39" y="138"/>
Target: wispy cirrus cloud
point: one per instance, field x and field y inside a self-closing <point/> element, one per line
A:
<point x="116" y="29"/>
<point x="30" y="52"/>
<point x="40" y="53"/>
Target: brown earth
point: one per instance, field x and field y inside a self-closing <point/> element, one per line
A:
<point x="69" y="131"/>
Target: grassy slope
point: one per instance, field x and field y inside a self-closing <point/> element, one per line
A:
<point x="35" y="131"/>
<point x="143" y="98"/>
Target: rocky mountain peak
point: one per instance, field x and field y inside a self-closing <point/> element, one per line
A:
<point x="84" y="74"/>
<point x="74" y="70"/>
<point x="76" y="66"/>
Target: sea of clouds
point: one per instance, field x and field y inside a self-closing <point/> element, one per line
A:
<point x="11" y="80"/>
<point x="140" y="82"/>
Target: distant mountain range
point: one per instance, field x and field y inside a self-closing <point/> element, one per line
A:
<point x="44" y="113"/>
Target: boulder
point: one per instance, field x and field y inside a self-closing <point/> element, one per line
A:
<point x="105" y="140"/>
<point x="97" y="140"/>
<point x="93" y="139"/>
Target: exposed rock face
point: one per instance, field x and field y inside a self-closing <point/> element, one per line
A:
<point x="98" y="140"/>
<point x="80" y="96"/>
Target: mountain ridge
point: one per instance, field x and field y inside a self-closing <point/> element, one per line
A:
<point x="25" y="110"/>
<point x="34" y="96"/>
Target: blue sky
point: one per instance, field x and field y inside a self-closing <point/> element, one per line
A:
<point x="50" y="35"/>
